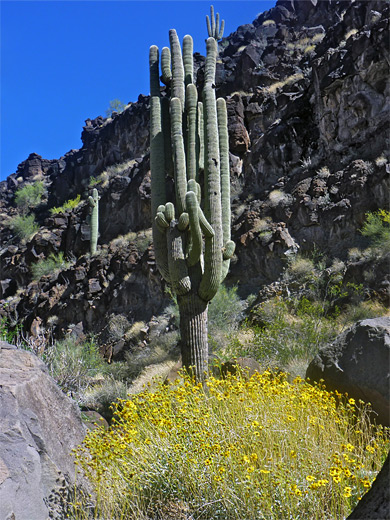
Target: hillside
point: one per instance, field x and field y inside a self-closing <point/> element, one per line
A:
<point x="307" y="91"/>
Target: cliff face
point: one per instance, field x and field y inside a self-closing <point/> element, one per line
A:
<point x="307" y="91"/>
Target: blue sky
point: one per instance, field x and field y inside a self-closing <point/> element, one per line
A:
<point x="63" y="61"/>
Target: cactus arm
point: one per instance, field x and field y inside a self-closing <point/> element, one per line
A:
<point x="188" y="61"/>
<point x="191" y="106"/>
<point x="161" y="221"/>
<point x="214" y="30"/>
<point x="166" y="72"/>
<point x="200" y="139"/>
<point x="166" y="130"/>
<point x="208" y="26"/>
<point x="183" y="222"/>
<point x="94" y="203"/>
<point x="211" y="60"/>
<point x="196" y="236"/>
<point x="213" y="245"/>
<point x="208" y="231"/>
<point x="169" y="211"/>
<point x="157" y="165"/>
<point x="220" y="34"/>
<point x="177" y="83"/>
<point x="179" y="161"/>
<point x="228" y="250"/>
<point x="178" y="270"/>
<point x="212" y="20"/>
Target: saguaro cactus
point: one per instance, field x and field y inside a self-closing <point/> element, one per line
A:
<point x="94" y="203"/>
<point x="192" y="235"/>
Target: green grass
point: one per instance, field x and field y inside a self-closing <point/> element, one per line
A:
<point x="68" y="205"/>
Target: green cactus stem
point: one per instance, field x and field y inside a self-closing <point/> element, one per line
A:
<point x="213" y="28"/>
<point x="191" y="235"/>
<point x="94" y="204"/>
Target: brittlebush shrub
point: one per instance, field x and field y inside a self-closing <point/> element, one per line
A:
<point x="240" y="448"/>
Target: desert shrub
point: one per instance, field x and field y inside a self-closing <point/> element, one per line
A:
<point x="242" y="448"/>
<point x="73" y="365"/>
<point x="118" y="324"/>
<point x="24" y="226"/>
<point x="68" y="205"/>
<point x="29" y="196"/>
<point x="116" y="105"/>
<point x="224" y="315"/>
<point x="49" y="265"/>
<point x="100" y="397"/>
<point x="377" y="229"/>
<point x="301" y="269"/>
<point x="282" y="331"/>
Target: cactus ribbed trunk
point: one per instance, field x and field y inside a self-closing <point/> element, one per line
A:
<point x="193" y="331"/>
<point x="191" y="234"/>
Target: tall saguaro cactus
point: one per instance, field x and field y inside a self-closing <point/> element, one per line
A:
<point x="192" y="234"/>
<point x="94" y="203"/>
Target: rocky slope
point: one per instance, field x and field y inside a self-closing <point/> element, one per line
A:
<point x="307" y="91"/>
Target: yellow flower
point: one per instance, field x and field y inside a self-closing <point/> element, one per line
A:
<point x="351" y="401"/>
<point x="207" y="462"/>
<point x="337" y="479"/>
<point x="350" y="447"/>
<point x="347" y="492"/>
<point x="310" y="478"/>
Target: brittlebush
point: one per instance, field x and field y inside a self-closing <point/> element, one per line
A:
<point x="239" y="448"/>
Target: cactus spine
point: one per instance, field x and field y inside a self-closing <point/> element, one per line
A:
<point x="94" y="203"/>
<point x="191" y="237"/>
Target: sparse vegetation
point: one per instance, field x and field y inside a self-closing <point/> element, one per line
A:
<point x="24" y="226"/>
<point x="68" y="205"/>
<point x="53" y="263"/>
<point x="115" y="169"/>
<point x="29" y="196"/>
<point x="377" y="229"/>
<point x="116" y="105"/>
<point x="290" y="80"/>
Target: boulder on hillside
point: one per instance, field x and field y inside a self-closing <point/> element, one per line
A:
<point x="375" y="504"/>
<point x="39" y="426"/>
<point x="358" y="362"/>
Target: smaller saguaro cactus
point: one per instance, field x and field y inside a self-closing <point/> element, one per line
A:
<point x="213" y="28"/>
<point x="94" y="203"/>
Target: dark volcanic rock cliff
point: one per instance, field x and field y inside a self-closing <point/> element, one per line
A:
<point x="307" y="91"/>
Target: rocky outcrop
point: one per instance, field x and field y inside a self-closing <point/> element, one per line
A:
<point x="358" y="362"/>
<point x="306" y="86"/>
<point x="375" y="505"/>
<point x="39" y="426"/>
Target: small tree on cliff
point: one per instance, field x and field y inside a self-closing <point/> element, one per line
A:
<point x="189" y="141"/>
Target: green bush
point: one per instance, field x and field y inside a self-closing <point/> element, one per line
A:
<point x="377" y="229"/>
<point x="29" y="196"/>
<point x="49" y="265"/>
<point x="116" y="105"/>
<point x="24" y="226"/>
<point x="281" y="331"/>
<point x="70" y="204"/>
<point x="73" y="365"/>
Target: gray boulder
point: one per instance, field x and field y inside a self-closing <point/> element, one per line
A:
<point x="375" y="504"/>
<point x="39" y="426"/>
<point x="358" y="362"/>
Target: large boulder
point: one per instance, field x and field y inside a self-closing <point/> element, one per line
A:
<point x="358" y="362"/>
<point x="375" y="504"/>
<point x="39" y="426"/>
